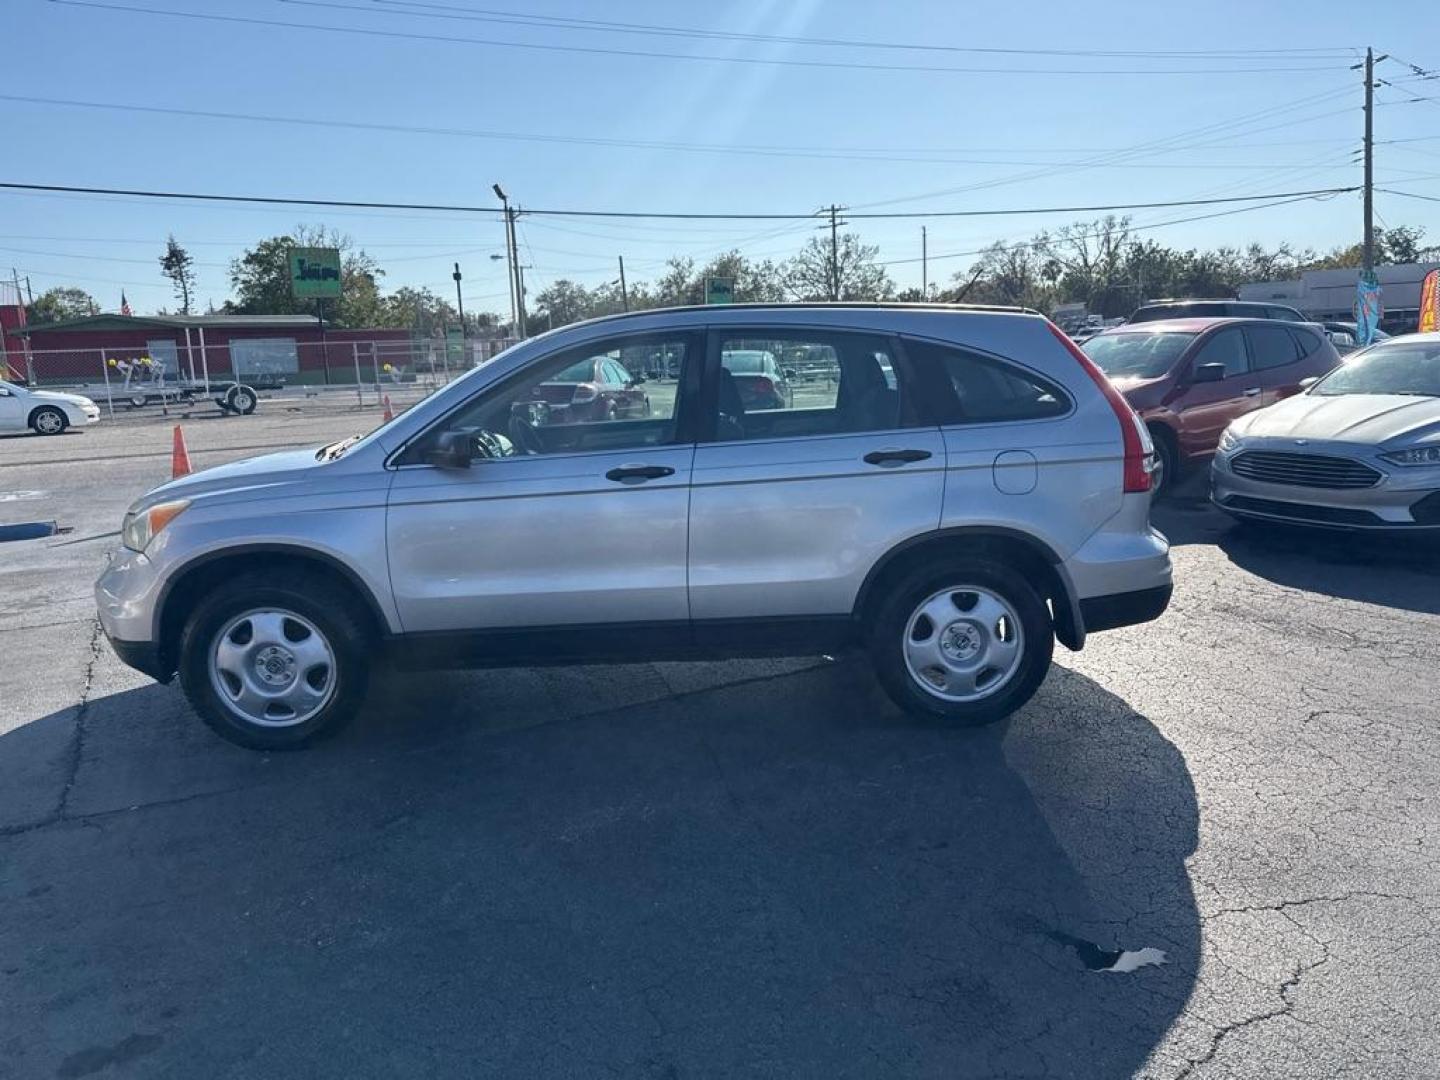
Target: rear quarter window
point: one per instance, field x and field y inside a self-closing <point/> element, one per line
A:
<point x="979" y="389"/>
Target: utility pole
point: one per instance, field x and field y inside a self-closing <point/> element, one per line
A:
<point x="624" y="289"/>
<point x="924" y="265"/>
<point x="517" y="300"/>
<point x="1370" y="160"/>
<point x="834" y="253"/>
<point x="459" y="300"/>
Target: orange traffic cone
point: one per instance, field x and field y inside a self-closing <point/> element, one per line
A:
<point x="389" y="412"/>
<point x="179" y="456"/>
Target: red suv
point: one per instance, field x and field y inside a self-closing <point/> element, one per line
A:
<point x="1188" y="378"/>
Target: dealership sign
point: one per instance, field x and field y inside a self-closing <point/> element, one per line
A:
<point x="315" y="273"/>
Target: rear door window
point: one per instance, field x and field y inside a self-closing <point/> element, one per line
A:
<point x="978" y="389"/>
<point x="1271" y="347"/>
<point x="1308" y="341"/>
<point x="1225" y="347"/>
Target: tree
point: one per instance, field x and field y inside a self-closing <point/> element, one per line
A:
<point x="178" y="265"/>
<point x="564" y="301"/>
<point x="808" y="275"/>
<point x="58" y="305"/>
<point x="261" y="279"/>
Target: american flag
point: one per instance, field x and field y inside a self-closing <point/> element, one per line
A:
<point x="124" y="304"/>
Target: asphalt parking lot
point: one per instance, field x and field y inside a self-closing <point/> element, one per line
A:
<point x="720" y="870"/>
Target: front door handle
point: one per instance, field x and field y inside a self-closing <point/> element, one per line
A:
<point x="1252" y="391"/>
<point x="890" y="456"/>
<point x="639" y="472"/>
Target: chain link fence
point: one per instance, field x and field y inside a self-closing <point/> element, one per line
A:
<point x="164" y="373"/>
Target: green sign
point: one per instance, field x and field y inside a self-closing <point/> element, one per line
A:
<point x="720" y="290"/>
<point x="315" y="273"/>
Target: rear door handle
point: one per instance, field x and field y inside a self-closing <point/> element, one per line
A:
<point x="1252" y="391"/>
<point x="639" y="472"/>
<point x="892" y="456"/>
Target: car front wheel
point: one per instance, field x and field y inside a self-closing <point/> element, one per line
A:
<point x="967" y="641"/>
<point x="49" y="421"/>
<point x="275" y="662"/>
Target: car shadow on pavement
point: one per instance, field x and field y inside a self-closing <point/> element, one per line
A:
<point x="1396" y="570"/>
<point x="778" y="877"/>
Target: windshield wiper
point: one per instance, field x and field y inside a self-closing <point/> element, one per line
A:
<point x="335" y="449"/>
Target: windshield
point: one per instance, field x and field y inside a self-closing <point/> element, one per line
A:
<point x="1407" y="367"/>
<point x="584" y="371"/>
<point x="1144" y="356"/>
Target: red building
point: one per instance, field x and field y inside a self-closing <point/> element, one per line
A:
<point x="221" y="346"/>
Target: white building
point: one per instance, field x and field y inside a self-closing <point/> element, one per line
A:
<point x="1330" y="294"/>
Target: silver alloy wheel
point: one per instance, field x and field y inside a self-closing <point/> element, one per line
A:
<point x="242" y="401"/>
<point x="49" y="422"/>
<point x="273" y="668"/>
<point x="963" y="643"/>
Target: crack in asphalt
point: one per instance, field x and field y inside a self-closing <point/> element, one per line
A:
<point x="82" y="708"/>
<point x="1285" y="1008"/>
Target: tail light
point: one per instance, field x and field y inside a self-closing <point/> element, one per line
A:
<point x="764" y="385"/>
<point x="1139" y="450"/>
<point x="584" y="393"/>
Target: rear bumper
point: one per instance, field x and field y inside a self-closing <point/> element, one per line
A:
<point x="1124" y="609"/>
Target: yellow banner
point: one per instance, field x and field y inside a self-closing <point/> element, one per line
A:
<point x="1430" y="302"/>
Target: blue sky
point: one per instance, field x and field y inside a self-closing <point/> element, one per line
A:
<point x="888" y="136"/>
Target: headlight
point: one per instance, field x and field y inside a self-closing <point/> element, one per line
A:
<point x="139" y="529"/>
<point x="1228" y="441"/>
<point x="1416" y="455"/>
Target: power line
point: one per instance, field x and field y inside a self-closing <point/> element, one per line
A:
<point x="657" y="214"/>
<point x="1410" y="194"/>
<point x="1095" y="233"/>
<point x="596" y="50"/>
<point x="609" y="26"/>
<point x="877" y="154"/>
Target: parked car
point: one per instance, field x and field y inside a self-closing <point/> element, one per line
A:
<point x="44" y="412"/>
<point x="995" y="499"/>
<point x="597" y="388"/>
<point x="1188" y="378"/>
<point x="759" y="378"/>
<point x="1359" y="449"/>
<point x="1156" y="310"/>
<point x="1345" y="336"/>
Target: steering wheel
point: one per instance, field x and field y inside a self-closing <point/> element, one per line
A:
<point x="524" y="435"/>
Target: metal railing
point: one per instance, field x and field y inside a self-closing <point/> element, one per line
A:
<point x="165" y="373"/>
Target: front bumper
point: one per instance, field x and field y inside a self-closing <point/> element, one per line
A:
<point x="143" y="656"/>
<point x="1402" y="500"/>
<point x="126" y="595"/>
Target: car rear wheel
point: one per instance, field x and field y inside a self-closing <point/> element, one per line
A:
<point x="49" y="421"/>
<point x="275" y="662"/>
<point x="967" y="641"/>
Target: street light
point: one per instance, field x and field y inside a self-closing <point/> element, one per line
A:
<point x="517" y="286"/>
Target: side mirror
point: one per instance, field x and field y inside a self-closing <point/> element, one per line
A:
<point x="789" y="373"/>
<point x="1306" y="383"/>
<point x="453" y="450"/>
<point x="1205" y="373"/>
<point x="637" y="379"/>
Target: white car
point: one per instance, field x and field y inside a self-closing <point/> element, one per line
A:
<point x="43" y="411"/>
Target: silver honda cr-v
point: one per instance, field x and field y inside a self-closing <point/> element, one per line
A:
<point x="950" y="489"/>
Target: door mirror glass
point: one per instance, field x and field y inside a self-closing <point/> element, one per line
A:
<point x="1205" y="373"/>
<point x="452" y="450"/>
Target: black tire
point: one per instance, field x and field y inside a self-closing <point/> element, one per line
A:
<point x="891" y="620"/>
<point x="333" y="611"/>
<point x="1167" y="462"/>
<point x="243" y="400"/>
<point x="48" y="420"/>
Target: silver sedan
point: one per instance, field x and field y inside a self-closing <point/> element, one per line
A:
<point x="1359" y="449"/>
